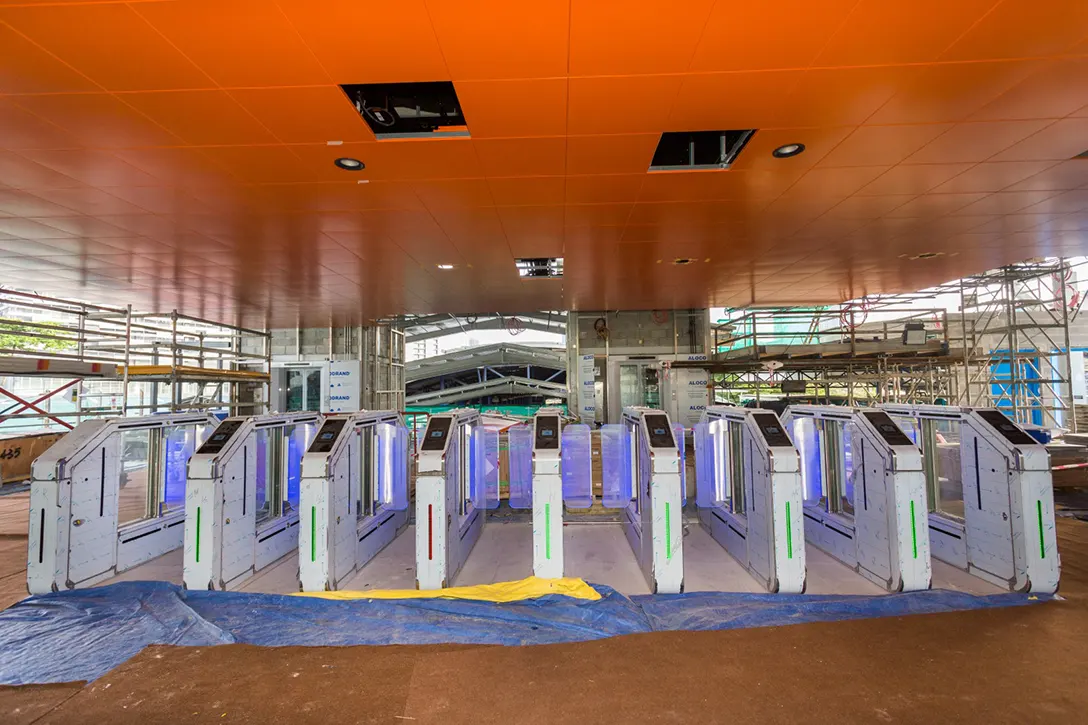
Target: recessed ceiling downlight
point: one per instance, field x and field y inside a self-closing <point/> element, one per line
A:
<point x="790" y="149"/>
<point x="350" y="164"/>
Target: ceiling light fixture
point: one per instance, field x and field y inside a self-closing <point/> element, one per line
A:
<point x="790" y="149"/>
<point x="445" y="266"/>
<point x="350" y="164"/>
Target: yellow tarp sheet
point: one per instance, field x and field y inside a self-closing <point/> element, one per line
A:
<point x="530" y="588"/>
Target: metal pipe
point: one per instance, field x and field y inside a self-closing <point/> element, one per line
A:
<point x="128" y="341"/>
<point x="1068" y="350"/>
<point x="36" y="296"/>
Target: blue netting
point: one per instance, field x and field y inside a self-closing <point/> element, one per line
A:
<point x="577" y="466"/>
<point x="297" y="444"/>
<point x="678" y="434"/>
<point x="398" y="475"/>
<point x="82" y="634"/>
<point x="520" y="439"/>
<point x="704" y="466"/>
<point x="615" y="481"/>
<point x="180" y="444"/>
<point x="478" y="462"/>
<point x="491" y="469"/>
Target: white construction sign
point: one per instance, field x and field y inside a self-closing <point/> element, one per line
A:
<point x="344" y="386"/>
<point x="587" y="398"/>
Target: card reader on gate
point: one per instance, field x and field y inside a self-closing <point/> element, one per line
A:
<point x="547" y="496"/>
<point x="749" y="494"/>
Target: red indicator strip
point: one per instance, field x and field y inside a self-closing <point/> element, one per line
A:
<point x="430" y="531"/>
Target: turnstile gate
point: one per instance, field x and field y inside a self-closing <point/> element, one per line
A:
<point x="109" y="496"/>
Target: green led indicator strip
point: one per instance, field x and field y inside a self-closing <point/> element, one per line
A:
<point x="668" y="532"/>
<point x="789" y="533"/>
<point x="547" y="531"/>
<point x="1042" y="546"/>
<point x="313" y="533"/>
<point x="913" y="531"/>
<point x="197" y="534"/>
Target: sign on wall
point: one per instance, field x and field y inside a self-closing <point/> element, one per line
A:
<point x="692" y="397"/>
<point x="587" y="398"/>
<point x="345" y="384"/>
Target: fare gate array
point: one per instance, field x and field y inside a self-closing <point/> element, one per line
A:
<point x="354" y="498"/>
<point x="108" y="497"/>
<point x="864" y="493"/>
<point x="450" y="495"/>
<point x="550" y="468"/>
<point x="242" y="498"/>
<point x="989" y="495"/>
<point x="748" y="494"/>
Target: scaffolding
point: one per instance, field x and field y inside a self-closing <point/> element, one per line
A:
<point x="1016" y="331"/>
<point x="382" y="357"/>
<point x="835" y="354"/>
<point x="1003" y="339"/>
<point x="110" y="361"/>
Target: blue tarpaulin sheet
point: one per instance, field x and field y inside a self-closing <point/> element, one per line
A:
<point x="701" y="611"/>
<point x="83" y="634"/>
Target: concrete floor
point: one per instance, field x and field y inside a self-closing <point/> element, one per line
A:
<point x="596" y="552"/>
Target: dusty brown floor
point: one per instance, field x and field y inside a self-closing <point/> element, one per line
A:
<point x="1011" y="665"/>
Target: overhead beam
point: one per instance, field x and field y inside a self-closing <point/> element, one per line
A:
<point x="502" y="353"/>
<point x="557" y="326"/>
<point x="500" y="386"/>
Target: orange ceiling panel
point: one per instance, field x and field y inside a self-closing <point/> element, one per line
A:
<point x="930" y="206"/>
<point x="640" y="37"/>
<point x="96" y="168"/>
<point x="278" y="53"/>
<point x="180" y="153"/>
<point x="1059" y="141"/>
<point x="976" y="141"/>
<point x="869" y="207"/>
<point x="453" y="193"/>
<point x="843" y="96"/>
<point x="202" y="118"/>
<point x="881" y="33"/>
<point x="482" y="40"/>
<point x="993" y="176"/>
<point x="329" y="115"/>
<point x="522" y="156"/>
<point x="22" y="130"/>
<point x="1022" y="29"/>
<point x="913" y="179"/>
<point x="604" y="105"/>
<point x="882" y="145"/>
<point x="98" y="120"/>
<point x="528" y="190"/>
<point x="834" y="182"/>
<point x="617" y="154"/>
<point x="497" y="109"/>
<point x="613" y="214"/>
<point x="25" y="67"/>
<point x="748" y="186"/>
<point x="604" y="189"/>
<point x="734" y="100"/>
<point x="1055" y="90"/>
<point x="735" y="36"/>
<point x="367" y="42"/>
<point x="1063" y="176"/>
<point x="109" y="43"/>
<point x="952" y="92"/>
